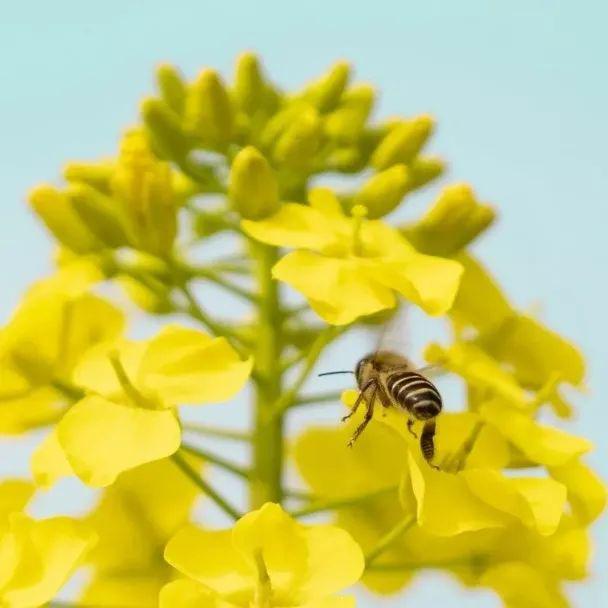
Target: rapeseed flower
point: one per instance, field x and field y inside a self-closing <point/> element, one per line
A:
<point x="266" y="560"/>
<point x="348" y="267"/>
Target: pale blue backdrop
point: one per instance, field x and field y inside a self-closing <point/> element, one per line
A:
<point x="519" y="90"/>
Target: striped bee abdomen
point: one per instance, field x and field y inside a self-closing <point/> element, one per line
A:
<point x="414" y="393"/>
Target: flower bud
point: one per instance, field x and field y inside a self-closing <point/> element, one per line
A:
<point x="253" y="188"/>
<point x="424" y="170"/>
<point x="249" y="87"/>
<point x="298" y="144"/>
<point x="402" y="142"/>
<point x="452" y="223"/>
<point x="55" y="210"/>
<point x="172" y="87"/>
<point x="144" y="186"/>
<point x="348" y="119"/>
<point x="384" y="191"/>
<point x="208" y="111"/>
<point x="100" y="213"/>
<point x="325" y="93"/>
<point x="95" y="175"/>
<point x="165" y="130"/>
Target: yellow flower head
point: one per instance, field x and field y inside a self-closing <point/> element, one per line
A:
<point x="134" y="519"/>
<point x="127" y="417"/>
<point x="348" y="267"/>
<point x="266" y="560"/>
<point x="36" y="557"/>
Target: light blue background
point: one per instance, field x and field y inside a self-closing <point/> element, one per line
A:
<point x="519" y="90"/>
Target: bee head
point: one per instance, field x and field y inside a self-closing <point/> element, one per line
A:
<point x="364" y="368"/>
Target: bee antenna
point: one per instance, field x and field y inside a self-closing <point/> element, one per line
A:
<point x="347" y="371"/>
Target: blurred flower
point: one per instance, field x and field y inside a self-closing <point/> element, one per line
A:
<point x="37" y="557"/>
<point x="134" y="519"/>
<point x="350" y="267"/>
<point x="127" y="417"/>
<point x="266" y="560"/>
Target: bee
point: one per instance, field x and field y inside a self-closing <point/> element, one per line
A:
<point x="391" y="379"/>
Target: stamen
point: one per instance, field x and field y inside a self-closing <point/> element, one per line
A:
<point x="125" y="382"/>
<point x="358" y="213"/>
<point x="263" y="588"/>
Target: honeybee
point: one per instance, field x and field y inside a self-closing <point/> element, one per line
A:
<point x="394" y="381"/>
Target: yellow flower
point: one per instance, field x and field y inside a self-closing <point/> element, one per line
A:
<point x="128" y="417"/>
<point x="134" y="519"/>
<point x="350" y="267"/>
<point x="54" y="326"/>
<point x="266" y="560"/>
<point x="36" y="557"/>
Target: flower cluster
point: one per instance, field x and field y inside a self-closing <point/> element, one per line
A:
<point x="227" y="186"/>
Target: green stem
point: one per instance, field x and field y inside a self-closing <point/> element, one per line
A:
<point x="218" y="461"/>
<point x="267" y="444"/>
<point x="291" y="396"/>
<point x="208" y="430"/>
<point x="219" y="500"/>
<point x="329" y="505"/>
<point x="218" y="279"/>
<point x="389" y="538"/>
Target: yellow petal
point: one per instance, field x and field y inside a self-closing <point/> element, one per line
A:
<point x="294" y="225"/>
<point x="536" y="352"/>
<point x="520" y="585"/>
<point x="445" y="505"/>
<point x="14" y="496"/>
<point x="209" y="557"/>
<point x="128" y="542"/>
<point x="96" y="373"/>
<point x="127" y="590"/>
<point x="33" y="409"/>
<point x="49" y="463"/>
<point x="336" y="288"/>
<point x="376" y="462"/>
<point x="427" y="281"/>
<point x="335" y="561"/>
<point x="480" y="302"/>
<point x="50" y="551"/>
<point x="538" y="503"/>
<point x="480" y="371"/>
<point x="542" y="444"/>
<point x="101" y="438"/>
<point x="187" y="366"/>
<point x="586" y="491"/>
<point x="280" y="541"/>
<point x="184" y="593"/>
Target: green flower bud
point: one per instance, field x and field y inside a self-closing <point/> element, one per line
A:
<point x="165" y="131"/>
<point x="298" y="144"/>
<point x="172" y="87"/>
<point x="208" y="111"/>
<point x="384" y="191"/>
<point x="100" y="213"/>
<point x="253" y="188"/>
<point x="155" y="301"/>
<point x="55" y="210"/>
<point x="403" y="142"/>
<point x="325" y="93"/>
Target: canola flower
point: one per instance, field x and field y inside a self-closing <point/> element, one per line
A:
<point x="227" y="185"/>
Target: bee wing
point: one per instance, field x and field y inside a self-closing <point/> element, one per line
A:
<point x="394" y="335"/>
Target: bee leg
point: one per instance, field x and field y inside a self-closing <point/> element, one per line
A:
<point x="410" y="424"/>
<point x="427" y="442"/>
<point x="366" y="420"/>
<point x="358" y="402"/>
